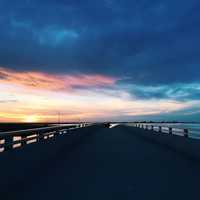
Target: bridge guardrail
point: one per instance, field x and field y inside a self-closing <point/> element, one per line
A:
<point x="14" y="139"/>
<point x="164" y="129"/>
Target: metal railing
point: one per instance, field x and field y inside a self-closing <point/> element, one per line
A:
<point x="15" y="139"/>
<point x="164" y="129"/>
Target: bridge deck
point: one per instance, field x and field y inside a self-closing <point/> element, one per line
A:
<point x="106" y="164"/>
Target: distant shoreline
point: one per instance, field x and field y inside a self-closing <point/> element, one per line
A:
<point x="14" y="126"/>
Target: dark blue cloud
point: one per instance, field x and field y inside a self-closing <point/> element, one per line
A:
<point x="152" y="43"/>
<point x="179" y="92"/>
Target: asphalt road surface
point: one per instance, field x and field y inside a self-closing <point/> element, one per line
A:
<point x="101" y="164"/>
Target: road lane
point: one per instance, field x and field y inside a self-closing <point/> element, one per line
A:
<point x="114" y="163"/>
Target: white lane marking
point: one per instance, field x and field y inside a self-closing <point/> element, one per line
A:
<point x="113" y="125"/>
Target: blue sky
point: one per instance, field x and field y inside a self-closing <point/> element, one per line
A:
<point x="145" y="56"/>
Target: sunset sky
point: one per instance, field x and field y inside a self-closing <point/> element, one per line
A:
<point x="109" y="60"/>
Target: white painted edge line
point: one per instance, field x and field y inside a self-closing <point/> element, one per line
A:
<point x="113" y="125"/>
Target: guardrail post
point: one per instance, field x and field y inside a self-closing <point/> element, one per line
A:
<point x="22" y="138"/>
<point x="185" y="133"/>
<point x="8" y="143"/>
<point x="57" y="133"/>
<point x="170" y="130"/>
<point x="160" y="129"/>
<point x="40" y="137"/>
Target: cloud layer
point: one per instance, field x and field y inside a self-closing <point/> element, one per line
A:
<point x="151" y="42"/>
<point x="44" y="81"/>
<point x="127" y="54"/>
<point x="41" y="96"/>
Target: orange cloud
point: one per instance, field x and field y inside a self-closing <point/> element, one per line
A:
<point x="36" y="96"/>
<point x="53" y="82"/>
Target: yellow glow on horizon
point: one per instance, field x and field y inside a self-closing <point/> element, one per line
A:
<point x="31" y="119"/>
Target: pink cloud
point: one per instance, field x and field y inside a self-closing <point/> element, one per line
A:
<point x="54" y="82"/>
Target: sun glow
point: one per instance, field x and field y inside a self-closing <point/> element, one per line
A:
<point x="31" y="119"/>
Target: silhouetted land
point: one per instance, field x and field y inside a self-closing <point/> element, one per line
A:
<point x="97" y="163"/>
<point x="20" y="126"/>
